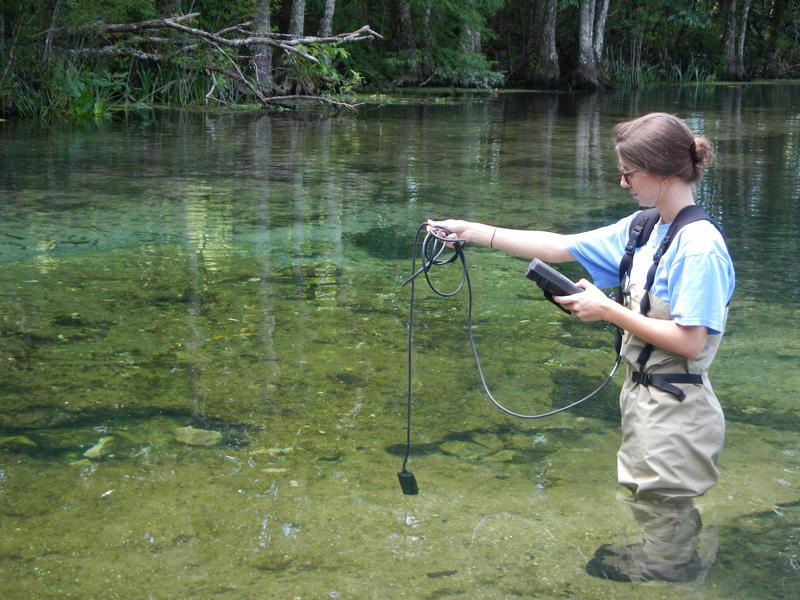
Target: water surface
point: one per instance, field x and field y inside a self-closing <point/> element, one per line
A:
<point x="241" y="273"/>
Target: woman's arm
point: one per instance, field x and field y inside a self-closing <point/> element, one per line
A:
<point x="594" y="305"/>
<point x="545" y="245"/>
<point x="591" y="305"/>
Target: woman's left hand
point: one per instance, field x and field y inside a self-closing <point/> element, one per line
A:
<point x="589" y="305"/>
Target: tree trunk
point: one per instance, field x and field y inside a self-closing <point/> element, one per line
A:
<point x="600" y="30"/>
<point x="406" y="26"/>
<point x="470" y="40"/>
<point x="262" y="54"/>
<point x="297" y="22"/>
<point x="547" y="70"/>
<point x="326" y="24"/>
<point x="636" y="57"/>
<point x="729" y="40"/>
<point x="740" y="40"/>
<point x="586" y="71"/>
<point x="427" y="42"/>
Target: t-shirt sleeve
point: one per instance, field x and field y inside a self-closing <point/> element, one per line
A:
<point x="700" y="288"/>
<point x="600" y="250"/>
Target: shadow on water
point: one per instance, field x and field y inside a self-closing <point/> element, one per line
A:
<point x="768" y="416"/>
<point x="60" y="433"/>
<point x="573" y="384"/>
<point x="384" y="243"/>
<point x="498" y="444"/>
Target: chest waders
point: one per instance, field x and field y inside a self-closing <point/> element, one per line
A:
<point x="672" y="424"/>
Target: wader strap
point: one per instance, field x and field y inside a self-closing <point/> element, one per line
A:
<point x="639" y="232"/>
<point x="688" y="214"/>
<point x="664" y="381"/>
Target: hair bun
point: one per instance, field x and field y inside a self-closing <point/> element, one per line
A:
<point x="701" y="151"/>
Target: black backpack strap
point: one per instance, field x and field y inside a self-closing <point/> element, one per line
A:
<point x="638" y="233"/>
<point x="688" y="214"/>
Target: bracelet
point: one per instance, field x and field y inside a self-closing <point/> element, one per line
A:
<point x="491" y="242"/>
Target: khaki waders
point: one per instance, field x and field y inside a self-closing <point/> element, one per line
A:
<point x="670" y="447"/>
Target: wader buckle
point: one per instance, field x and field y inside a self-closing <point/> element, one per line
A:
<point x="664" y="381"/>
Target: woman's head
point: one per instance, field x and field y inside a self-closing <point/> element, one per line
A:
<point x="663" y="145"/>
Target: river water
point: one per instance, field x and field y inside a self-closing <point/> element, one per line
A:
<point x="242" y="274"/>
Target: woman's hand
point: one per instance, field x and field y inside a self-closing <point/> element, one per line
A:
<point x="455" y="226"/>
<point x="588" y="305"/>
<point x="593" y="305"/>
<point x="550" y="247"/>
<point x="458" y="229"/>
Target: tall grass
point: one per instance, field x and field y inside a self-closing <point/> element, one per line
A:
<point x="77" y="91"/>
<point x="619" y="72"/>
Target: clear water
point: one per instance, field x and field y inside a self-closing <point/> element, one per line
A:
<point x="242" y="274"/>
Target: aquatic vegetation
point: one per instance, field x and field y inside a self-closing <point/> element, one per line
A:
<point x="242" y="275"/>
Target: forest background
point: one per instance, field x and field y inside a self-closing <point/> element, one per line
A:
<point x="85" y="58"/>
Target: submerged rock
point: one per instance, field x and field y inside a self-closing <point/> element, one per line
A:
<point x="197" y="437"/>
<point x="464" y="449"/>
<point x="101" y="448"/>
<point x="502" y="456"/>
<point x="17" y="442"/>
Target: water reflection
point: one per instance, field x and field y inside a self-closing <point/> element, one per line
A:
<point x="669" y="550"/>
<point x="242" y="273"/>
<point x="262" y="155"/>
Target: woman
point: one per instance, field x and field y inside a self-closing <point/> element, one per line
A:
<point x="672" y="423"/>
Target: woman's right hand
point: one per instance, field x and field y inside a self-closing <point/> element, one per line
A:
<point x="458" y="230"/>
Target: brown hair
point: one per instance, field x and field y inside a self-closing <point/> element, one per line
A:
<point x="663" y="145"/>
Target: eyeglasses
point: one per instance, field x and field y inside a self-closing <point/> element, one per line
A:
<point x="627" y="175"/>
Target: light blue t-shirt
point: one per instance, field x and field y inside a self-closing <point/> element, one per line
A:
<point x="695" y="277"/>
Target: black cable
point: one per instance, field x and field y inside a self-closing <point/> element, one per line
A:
<point x="433" y="246"/>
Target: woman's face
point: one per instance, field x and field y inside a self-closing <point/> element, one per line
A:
<point x="644" y="188"/>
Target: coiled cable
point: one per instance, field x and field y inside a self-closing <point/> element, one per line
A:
<point x="434" y="245"/>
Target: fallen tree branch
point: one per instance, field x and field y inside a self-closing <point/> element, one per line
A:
<point x="365" y="33"/>
<point x="242" y="80"/>
<point x="103" y="27"/>
<point x="321" y="99"/>
<point x="116" y="51"/>
<point x="219" y="41"/>
<point x="288" y="45"/>
<point x="240" y="76"/>
<point x="237" y="28"/>
<point x="281" y="41"/>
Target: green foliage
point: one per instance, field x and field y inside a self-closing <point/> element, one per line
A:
<point x="80" y="93"/>
<point x="215" y="14"/>
<point x="331" y="75"/>
<point x="472" y="43"/>
<point x="465" y="69"/>
<point x="75" y="13"/>
<point x="71" y="91"/>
